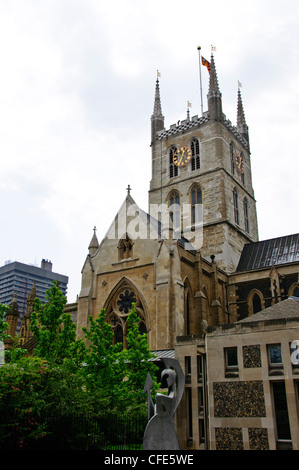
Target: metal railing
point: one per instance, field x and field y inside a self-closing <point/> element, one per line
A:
<point x="21" y="429"/>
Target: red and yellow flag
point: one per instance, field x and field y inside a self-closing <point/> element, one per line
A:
<point x="206" y="63"/>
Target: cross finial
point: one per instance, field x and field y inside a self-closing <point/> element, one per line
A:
<point x="129" y="189"/>
<point x="94" y="229"/>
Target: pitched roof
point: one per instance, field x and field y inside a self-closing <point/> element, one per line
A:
<point x="267" y="253"/>
<point x="287" y="309"/>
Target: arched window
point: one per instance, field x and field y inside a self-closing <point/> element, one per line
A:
<point x="246" y="219"/>
<point x="236" y="205"/>
<point x="119" y="308"/>
<point x="196" y="200"/>
<point x="195" y="160"/>
<point x="255" y="302"/>
<point x="125" y="248"/>
<point x="175" y="209"/>
<point x="173" y="169"/>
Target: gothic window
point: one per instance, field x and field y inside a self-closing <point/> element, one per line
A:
<point x="255" y="302"/>
<point x="236" y="207"/>
<point x="232" y="157"/>
<point x="173" y="169"/>
<point x="246" y="219"/>
<point x="125" y="247"/>
<point x="195" y="160"/>
<point x="119" y="308"/>
<point x="175" y="209"/>
<point x="196" y="200"/>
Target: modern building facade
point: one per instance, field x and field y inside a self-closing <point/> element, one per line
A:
<point x="242" y="383"/>
<point x="16" y="279"/>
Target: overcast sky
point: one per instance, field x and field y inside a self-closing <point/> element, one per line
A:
<point x="76" y="95"/>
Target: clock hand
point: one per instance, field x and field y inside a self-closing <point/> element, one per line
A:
<point x="182" y="155"/>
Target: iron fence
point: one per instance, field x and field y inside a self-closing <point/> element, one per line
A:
<point x="25" y="430"/>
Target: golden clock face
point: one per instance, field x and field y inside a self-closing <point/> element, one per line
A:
<point x="182" y="156"/>
<point x="239" y="162"/>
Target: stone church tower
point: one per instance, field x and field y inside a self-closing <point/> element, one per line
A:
<point x="214" y="172"/>
<point x="173" y="261"/>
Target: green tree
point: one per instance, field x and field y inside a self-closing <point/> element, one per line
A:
<point x="138" y="359"/>
<point x="119" y="373"/>
<point x="3" y="323"/>
<point x="104" y="364"/>
<point x="53" y="329"/>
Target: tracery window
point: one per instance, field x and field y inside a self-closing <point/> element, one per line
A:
<point x="173" y="169"/>
<point x="118" y="312"/>
<point x="195" y="160"/>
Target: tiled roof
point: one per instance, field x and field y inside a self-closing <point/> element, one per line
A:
<point x="267" y="253"/>
<point x="287" y="309"/>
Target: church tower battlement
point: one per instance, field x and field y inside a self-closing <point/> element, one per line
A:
<point x="205" y="161"/>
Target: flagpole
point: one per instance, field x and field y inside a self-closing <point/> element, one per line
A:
<point x="199" y="48"/>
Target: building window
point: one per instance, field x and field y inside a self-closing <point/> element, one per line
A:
<point x="189" y="416"/>
<point x="274" y="355"/>
<point x="195" y="160"/>
<point x="175" y="209"/>
<point x="231" y="358"/>
<point x="196" y="201"/>
<point x="173" y="169"/>
<point x="236" y="207"/>
<point x="256" y="303"/>
<point x="281" y="413"/>
<point x="125" y="248"/>
<point x="118" y="310"/>
<point x="231" y="362"/>
<point x="188" y="369"/>
<point x="246" y="219"/>
<point x="199" y="368"/>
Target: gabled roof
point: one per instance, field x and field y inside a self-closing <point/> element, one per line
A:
<point x="151" y="222"/>
<point x="267" y="253"/>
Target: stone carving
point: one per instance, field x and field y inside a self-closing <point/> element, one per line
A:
<point x="160" y="433"/>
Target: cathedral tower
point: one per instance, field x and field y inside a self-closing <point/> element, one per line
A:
<point x="202" y="164"/>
